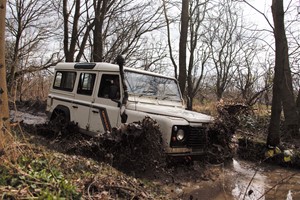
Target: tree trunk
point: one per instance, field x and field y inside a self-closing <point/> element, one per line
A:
<point x="288" y="98"/>
<point x="98" y="31"/>
<point x="282" y="87"/>
<point x="298" y="106"/>
<point x="74" y="37"/>
<point x="282" y="58"/>
<point x="190" y="101"/>
<point x="66" y="30"/>
<point x="169" y="40"/>
<point x="274" y="126"/>
<point x="70" y="51"/>
<point x="183" y="44"/>
<point x="4" y="111"/>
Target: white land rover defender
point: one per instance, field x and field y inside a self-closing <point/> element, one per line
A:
<point x="100" y="96"/>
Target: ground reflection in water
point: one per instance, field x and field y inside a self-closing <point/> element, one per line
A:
<point x="247" y="181"/>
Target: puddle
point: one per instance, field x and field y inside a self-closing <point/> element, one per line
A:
<point x="26" y="118"/>
<point x="247" y="181"/>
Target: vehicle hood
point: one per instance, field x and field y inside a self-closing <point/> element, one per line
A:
<point x="169" y="111"/>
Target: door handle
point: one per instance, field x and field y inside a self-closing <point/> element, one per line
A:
<point x="95" y="111"/>
<point x="75" y="106"/>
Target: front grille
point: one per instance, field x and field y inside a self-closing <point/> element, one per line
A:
<point x="197" y="137"/>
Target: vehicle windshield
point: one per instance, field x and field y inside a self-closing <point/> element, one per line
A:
<point x="152" y="86"/>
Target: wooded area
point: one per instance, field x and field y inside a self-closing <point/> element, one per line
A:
<point x="220" y="54"/>
<point x="213" y="48"/>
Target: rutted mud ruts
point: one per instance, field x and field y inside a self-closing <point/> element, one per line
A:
<point x="234" y="180"/>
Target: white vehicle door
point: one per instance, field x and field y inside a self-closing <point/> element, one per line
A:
<point x="105" y="110"/>
<point x="82" y="102"/>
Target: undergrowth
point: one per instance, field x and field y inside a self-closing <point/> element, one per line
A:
<point x="35" y="172"/>
<point x="32" y="176"/>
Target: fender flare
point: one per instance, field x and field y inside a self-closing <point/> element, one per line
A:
<point x="60" y="109"/>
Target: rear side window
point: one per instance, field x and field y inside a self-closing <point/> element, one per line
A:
<point x="64" y="80"/>
<point x="86" y="83"/>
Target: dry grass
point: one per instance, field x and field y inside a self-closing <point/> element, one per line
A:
<point x="8" y="145"/>
<point x="209" y="108"/>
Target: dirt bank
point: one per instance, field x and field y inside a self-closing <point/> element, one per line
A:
<point x="178" y="180"/>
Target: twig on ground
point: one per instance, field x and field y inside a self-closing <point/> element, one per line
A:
<point x="287" y="178"/>
<point x="256" y="170"/>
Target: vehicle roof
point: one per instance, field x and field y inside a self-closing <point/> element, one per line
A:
<point x="101" y="66"/>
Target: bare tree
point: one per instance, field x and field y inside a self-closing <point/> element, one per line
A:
<point x="78" y="22"/>
<point x="198" y="50"/>
<point x="291" y="27"/>
<point x="168" y="22"/>
<point x="267" y="65"/>
<point x="100" y="30"/>
<point x="151" y="56"/>
<point x="183" y="44"/>
<point x="101" y="10"/>
<point x="282" y="88"/>
<point x="225" y="40"/>
<point x="249" y="75"/>
<point x="4" y="110"/>
<point x="283" y="97"/>
<point x="29" y="25"/>
<point x="191" y="66"/>
<point x="298" y="105"/>
<point x="121" y="27"/>
<point x="69" y="50"/>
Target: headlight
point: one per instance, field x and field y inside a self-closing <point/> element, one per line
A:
<point x="180" y="135"/>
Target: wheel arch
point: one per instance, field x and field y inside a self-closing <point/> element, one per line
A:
<point x="61" y="109"/>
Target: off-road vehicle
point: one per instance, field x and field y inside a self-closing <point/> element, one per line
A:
<point x="100" y="96"/>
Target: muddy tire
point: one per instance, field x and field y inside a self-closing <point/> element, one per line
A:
<point x="60" y="122"/>
<point x="59" y="117"/>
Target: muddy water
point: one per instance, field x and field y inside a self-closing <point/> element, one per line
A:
<point x="241" y="180"/>
<point x="26" y="118"/>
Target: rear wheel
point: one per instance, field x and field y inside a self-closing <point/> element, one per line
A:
<point x="59" y="122"/>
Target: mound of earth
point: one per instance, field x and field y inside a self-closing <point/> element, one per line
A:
<point x="133" y="147"/>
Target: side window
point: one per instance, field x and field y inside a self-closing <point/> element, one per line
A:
<point x="64" y="80"/>
<point x="86" y="83"/>
<point x="109" y="86"/>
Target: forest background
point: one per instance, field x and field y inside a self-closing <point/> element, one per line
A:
<point x="214" y="48"/>
<point x="219" y="50"/>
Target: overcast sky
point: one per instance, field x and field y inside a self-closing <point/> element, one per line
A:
<point x="264" y="6"/>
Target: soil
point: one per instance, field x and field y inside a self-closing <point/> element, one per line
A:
<point x="236" y="132"/>
<point x="137" y="151"/>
